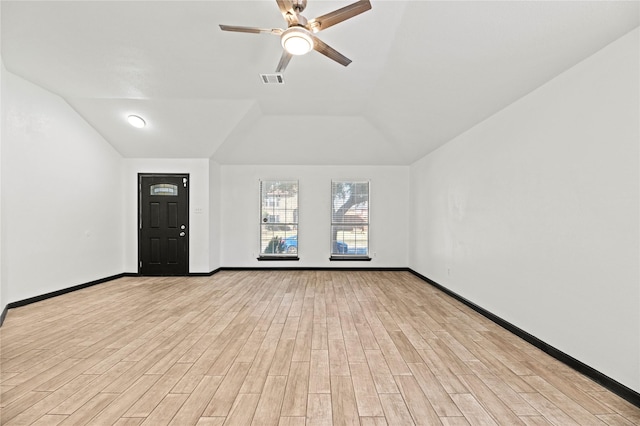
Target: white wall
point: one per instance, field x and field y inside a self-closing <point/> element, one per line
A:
<point x="198" y="170"/>
<point x="240" y="205"/>
<point x="215" y="224"/>
<point x="3" y="127"/>
<point x="533" y="214"/>
<point x="61" y="199"/>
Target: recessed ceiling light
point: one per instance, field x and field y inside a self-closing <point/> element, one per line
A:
<point x="136" y="121"/>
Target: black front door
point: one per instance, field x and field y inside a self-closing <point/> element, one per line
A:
<point x="163" y="229"/>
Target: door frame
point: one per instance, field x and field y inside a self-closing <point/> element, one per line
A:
<point x="139" y="225"/>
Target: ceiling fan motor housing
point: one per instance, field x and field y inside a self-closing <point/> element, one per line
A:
<point x="299" y="5"/>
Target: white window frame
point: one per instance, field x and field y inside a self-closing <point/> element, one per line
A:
<point x="278" y="240"/>
<point x="362" y="223"/>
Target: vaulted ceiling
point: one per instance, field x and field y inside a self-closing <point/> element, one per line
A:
<point x="423" y="72"/>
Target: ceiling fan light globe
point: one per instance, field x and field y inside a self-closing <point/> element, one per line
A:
<point x="297" y="41"/>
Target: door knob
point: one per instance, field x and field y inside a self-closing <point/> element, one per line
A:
<point x="182" y="234"/>
<point x="183" y="227"/>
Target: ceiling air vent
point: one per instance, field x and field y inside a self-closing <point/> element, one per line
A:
<point x="272" y="78"/>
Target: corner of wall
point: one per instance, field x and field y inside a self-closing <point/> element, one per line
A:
<point x="2" y="127"/>
<point x="215" y="190"/>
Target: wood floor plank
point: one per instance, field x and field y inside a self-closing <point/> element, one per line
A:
<point x="260" y="367"/>
<point x="197" y="401"/>
<point x="227" y="392"/>
<point x="319" y="338"/>
<point x="395" y="409"/>
<point x="373" y="421"/>
<point x="295" y="395"/>
<point x="353" y="346"/>
<point x="319" y="373"/>
<point x="419" y="406"/>
<point x="433" y="390"/>
<point x="187" y="383"/>
<point x="549" y="410"/>
<point x="334" y="328"/>
<point x="614" y="419"/>
<point x="290" y="329"/>
<point x="319" y="410"/>
<point x="364" y="388"/>
<point x="338" y="360"/>
<point x="90" y="409"/>
<point x="211" y="421"/>
<point x="490" y="402"/>
<point x="292" y="421"/>
<point x="367" y="339"/>
<point x="270" y="403"/>
<point x="509" y="396"/>
<point x="393" y="356"/>
<point x="343" y="401"/>
<point x="242" y="410"/>
<point x="223" y="362"/>
<point x="302" y="346"/>
<point x="379" y="369"/>
<point x="619" y="405"/>
<point x="129" y="421"/>
<point x="472" y="409"/>
<point x="282" y="358"/>
<point x="49" y="420"/>
<point x="156" y="393"/>
<point x="165" y="410"/>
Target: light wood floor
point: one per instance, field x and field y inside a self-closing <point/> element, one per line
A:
<point x="287" y="348"/>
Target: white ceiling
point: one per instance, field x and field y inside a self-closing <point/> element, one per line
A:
<point x="423" y="72"/>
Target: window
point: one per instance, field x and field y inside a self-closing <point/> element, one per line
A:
<point x="165" y="189"/>
<point x="349" y="219"/>
<point x="279" y="219"/>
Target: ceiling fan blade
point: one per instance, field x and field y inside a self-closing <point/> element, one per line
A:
<point x="325" y="21"/>
<point x="288" y="10"/>
<point x="252" y="30"/>
<point x="330" y="52"/>
<point x="284" y="61"/>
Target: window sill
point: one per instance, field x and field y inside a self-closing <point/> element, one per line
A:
<point x="278" y="258"/>
<point x="350" y="258"/>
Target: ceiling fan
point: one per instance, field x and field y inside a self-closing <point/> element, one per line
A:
<point x="299" y="38"/>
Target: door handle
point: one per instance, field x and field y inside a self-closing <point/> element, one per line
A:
<point x="182" y="234"/>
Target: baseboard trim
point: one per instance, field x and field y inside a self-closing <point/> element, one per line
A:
<point x="45" y="296"/>
<point x="307" y="268"/>
<point x="3" y="314"/>
<point x="603" y="380"/>
<point x="204" y="274"/>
